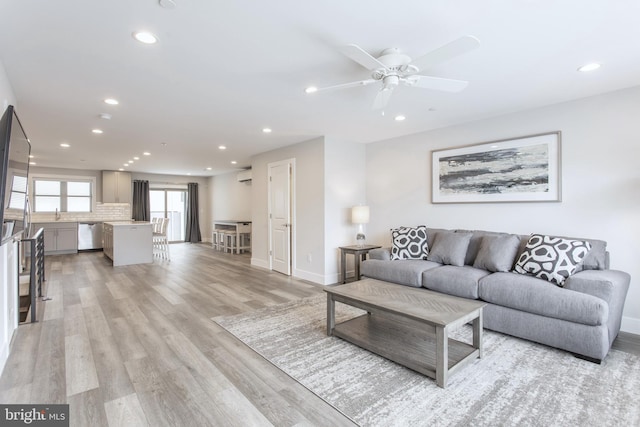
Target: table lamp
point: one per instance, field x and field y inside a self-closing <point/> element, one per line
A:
<point x="360" y="216"/>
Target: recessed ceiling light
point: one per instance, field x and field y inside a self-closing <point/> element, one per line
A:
<point x="189" y="173"/>
<point x="33" y="163"/>
<point x="311" y="89"/>
<point x="111" y="101"/>
<point x="126" y="164"/>
<point x="121" y="169"/>
<point x="31" y="156"/>
<point x="589" y="67"/>
<point x="145" y="37"/>
<point x="105" y="116"/>
<point x="65" y="145"/>
<point x="146" y="153"/>
<point x="208" y="169"/>
<point x="266" y="130"/>
<point x="222" y="147"/>
<point x="399" y="118"/>
<point x="97" y="131"/>
<point x="130" y="161"/>
<point x="136" y="158"/>
<point x="233" y="162"/>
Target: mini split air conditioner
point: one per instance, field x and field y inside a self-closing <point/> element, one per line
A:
<point x="244" y="176"/>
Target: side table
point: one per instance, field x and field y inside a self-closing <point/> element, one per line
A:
<point x="359" y="252"/>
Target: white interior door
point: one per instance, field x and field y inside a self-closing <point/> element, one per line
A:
<point x="280" y="216"/>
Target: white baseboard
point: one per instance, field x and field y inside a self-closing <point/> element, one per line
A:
<point x="257" y="262"/>
<point x="311" y="277"/>
<point x="631" y="325"/>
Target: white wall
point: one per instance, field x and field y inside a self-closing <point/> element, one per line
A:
<point x="308" y="209"/>
<point x="345" y="185"/>
<point x="7" y="97"/>
<point x="329" y="180"/>
<point x="229" y="199"/>
<point x="600" y="180"/>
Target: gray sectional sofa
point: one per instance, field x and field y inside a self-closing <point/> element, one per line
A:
<point x="582" y="315"/>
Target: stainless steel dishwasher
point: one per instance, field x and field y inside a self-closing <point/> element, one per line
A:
<point x="89" y="235"/>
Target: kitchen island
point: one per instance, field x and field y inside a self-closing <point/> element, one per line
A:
<point x="128" y="242"/>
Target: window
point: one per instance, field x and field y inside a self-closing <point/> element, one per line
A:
<point x="62" y="195"/>
<point x="18" y="192"/>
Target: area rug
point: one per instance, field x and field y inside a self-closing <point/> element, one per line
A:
<point x="516" y="383"/>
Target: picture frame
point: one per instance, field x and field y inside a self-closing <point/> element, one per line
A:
<point x="522" y="169"/>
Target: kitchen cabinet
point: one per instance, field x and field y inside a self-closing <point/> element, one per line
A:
<point x="59" y="237"/>
<point x="128" y="242"/>
<point x="116" y="187"/>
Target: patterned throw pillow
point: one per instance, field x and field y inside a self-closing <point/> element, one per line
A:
<point x="551" y="258"/>
<point x="409" y="243"/>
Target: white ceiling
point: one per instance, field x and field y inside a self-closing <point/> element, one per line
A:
<point x="223" y="70"/>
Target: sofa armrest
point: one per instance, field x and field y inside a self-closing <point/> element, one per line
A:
<point x="608" y="285"/>
<point x="383" y="254"/>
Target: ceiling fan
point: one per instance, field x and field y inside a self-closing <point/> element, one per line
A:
<point x="393" y="67"/>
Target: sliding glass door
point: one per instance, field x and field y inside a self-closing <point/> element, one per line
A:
<point x="170" y="204"/>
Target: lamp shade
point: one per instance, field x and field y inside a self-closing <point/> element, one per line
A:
<point x="360" y="215"/>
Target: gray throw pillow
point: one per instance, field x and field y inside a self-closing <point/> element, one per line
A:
<point x="497" y="253"/>
<point x="449" y="248"/>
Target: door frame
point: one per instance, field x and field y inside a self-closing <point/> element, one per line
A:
<point x="292" y="205"/>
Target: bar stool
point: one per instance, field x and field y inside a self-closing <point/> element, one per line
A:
<point x="230" y="240"/>
<point x="222" y="241"/>
<point x="216" y="242"/>
<point x="245" y="241"/>
<point x="160" y="241"/>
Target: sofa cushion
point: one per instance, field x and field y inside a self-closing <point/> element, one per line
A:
<point x="409" y="243"/>
<point x="450" y="247"/>
<point x="380" y="253"/>
<point x="596" y="259"/>
<point x="403" y="272"/>
<point x="497" y="252"/>
<point x="458" y="281"/>
<point x="551" y="258"/>
<point x="537" y="296"/>
<point x="474" y="243"/>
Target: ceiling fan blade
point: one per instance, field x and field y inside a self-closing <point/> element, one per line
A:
<point x="344" y="85"/>
<point x="363" y="58"/>
<point x="382" y="99"/>
<point x="435" y="83"/>
<point x="446" y="52"/>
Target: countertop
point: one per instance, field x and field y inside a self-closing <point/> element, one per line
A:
<point x="123" y="223"/>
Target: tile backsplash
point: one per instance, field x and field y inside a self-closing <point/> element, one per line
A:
<point x="103" y="212"/>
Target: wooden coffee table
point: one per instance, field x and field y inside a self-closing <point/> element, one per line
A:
<point x="410" y="326"/>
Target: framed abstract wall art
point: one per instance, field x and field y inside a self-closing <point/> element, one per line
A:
<point x="524" y="169"/>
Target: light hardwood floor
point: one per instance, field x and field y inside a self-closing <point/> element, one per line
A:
<point x="135" y="345"/>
